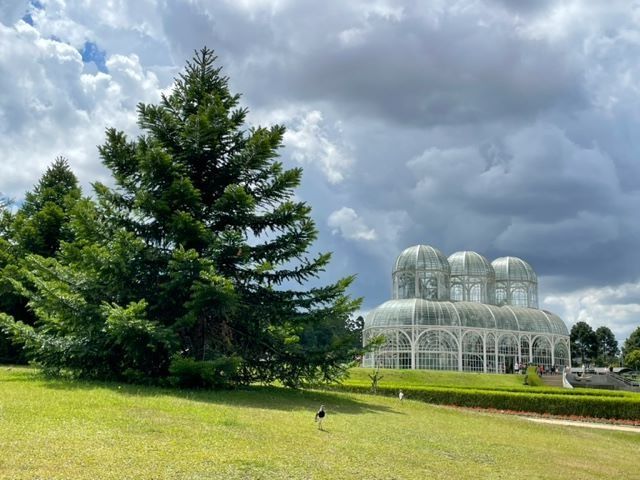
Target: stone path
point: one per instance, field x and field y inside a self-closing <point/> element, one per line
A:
<point x="571" y="423"/>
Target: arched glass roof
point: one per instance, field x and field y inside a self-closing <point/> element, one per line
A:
<point x="414" y="311"/>
<point x="470" y="264"/>
<point x="421" y="257"/>
<point x="513" y="269"/>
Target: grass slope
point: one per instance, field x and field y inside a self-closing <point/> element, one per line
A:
<point x="421" y="378"/>
<point x="73" y="430"/>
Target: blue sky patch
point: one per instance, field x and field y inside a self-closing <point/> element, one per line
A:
<point x="33" y="5"/>
<point x="91" y="53"/>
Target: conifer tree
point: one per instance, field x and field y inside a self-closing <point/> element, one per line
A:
<point x="200" y="250"/>
<point x="42" y="221"/>
<point x="38" y="227"/>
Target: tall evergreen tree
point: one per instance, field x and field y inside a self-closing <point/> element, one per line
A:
<point x="200" y="249"/>
<point x="38" y="227"/>
<point x="42" y="221"/>
<point x="584" y="343"/>
<point x="607" y="345"/>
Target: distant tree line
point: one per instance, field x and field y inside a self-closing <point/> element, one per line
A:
<point x="600" y="347"/>
<point x="194" y="268"/>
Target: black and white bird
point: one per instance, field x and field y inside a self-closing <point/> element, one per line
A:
<point x="320" y="416"/>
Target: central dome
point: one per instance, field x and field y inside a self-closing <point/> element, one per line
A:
<point x="472" y="278"/>
<point x="470" y="264"/>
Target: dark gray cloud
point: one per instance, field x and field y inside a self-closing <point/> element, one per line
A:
<point x="416" y="67"/>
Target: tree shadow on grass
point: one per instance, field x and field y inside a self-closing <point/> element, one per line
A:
<point x="259" y="397"/>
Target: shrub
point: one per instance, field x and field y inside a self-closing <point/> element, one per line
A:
<point x="531" y="378"/>
<point x="190" y="373"/>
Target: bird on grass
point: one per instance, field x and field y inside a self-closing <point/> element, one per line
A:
<point x="320" y="416"/>
<point x="401" y="395"/>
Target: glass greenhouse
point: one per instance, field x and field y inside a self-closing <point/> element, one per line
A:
<point x="463" y="313"/>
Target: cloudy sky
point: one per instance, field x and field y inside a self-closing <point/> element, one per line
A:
<point x="508" y="128"/>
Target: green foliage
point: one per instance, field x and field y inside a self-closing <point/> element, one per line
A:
<point x="531" y="377"/>
<point x="42" y="222"/>
<point x="141" y="344"/>
<point x="200" y="250"/>
<point x="375" y="378"/>
<point x="632" y="343"/>
<point x="190" y="373"/>
<point x="584" y="343"/>
<point x="39" y="227"/>
<point x="607" y="346"/>
<point x="632" y="359"/>
<point x="81" y="333"/>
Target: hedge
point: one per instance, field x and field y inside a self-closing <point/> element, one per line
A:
<point x="524" y="389"/>
<point x="627" y="408"/>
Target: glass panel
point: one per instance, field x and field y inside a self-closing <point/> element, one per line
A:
<point x="519" y="297"/>
<point x="562" y="355"/>
<point x="491" y="352"/>
<point x="406" y="282"/>
<point x="428" y="287"/>
<point x="437" y="350"/>
<point x="508" y="353"/>
<point x="542" y="352"/>
<point x="524" y="350"/>
<point x="395" y="352"/>
<point x="456" y="292"/>
<point x="472" y="353"/>
<point x="475" y="293"/>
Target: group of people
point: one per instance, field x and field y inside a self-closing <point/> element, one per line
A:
<point x="540" y="369"/>
<point x="552" y="370"/>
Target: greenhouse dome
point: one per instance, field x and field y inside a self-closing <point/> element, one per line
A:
<point x="422" y="330"/>
<point x="421" y="271"/>
<point x="472" y="278"/>
<point x="516" y="282"/>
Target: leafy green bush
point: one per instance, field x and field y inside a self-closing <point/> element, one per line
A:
<point x="190" y="373"/>
<point x="531" y="378"/>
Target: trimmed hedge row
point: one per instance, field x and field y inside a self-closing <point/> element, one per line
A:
<point x="523" y="389"/>
<point x="626" y="408"/>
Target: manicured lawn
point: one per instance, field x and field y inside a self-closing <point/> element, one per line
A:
<point x="421" y="378"/>
<point x="74" y="430"/>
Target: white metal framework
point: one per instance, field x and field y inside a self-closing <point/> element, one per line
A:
<point x="477" y="330"/>
<point x="421" y="271"/>
<point x="472" y="278"/>
<point x="516" y="282"/>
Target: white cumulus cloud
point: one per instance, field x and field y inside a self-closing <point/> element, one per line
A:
<point x="616" y="307"/>
<point x="347" y="223"/>
<point x="311" y="143"/>
<point x="52" y="105"/>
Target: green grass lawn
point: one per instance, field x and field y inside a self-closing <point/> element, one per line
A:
<point x="74" y="430"/>
<point x="421" y="378"/>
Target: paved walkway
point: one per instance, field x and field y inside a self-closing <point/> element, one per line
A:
<point x="571" y="423"/>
